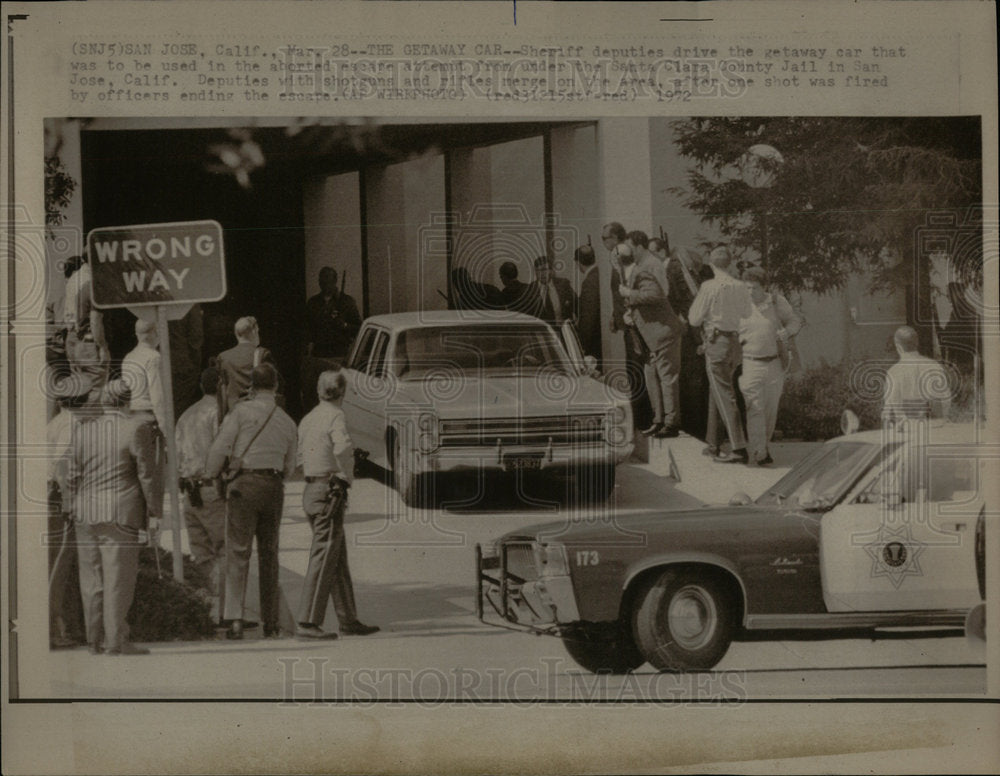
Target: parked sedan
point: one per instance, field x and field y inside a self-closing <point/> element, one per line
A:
<point x="871" y="530"/>
<point x="447" y="391"/>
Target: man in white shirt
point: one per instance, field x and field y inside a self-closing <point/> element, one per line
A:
<point x="141" y="373"/>
<point x="327" y="457"/>
<point x="916" y="386"/>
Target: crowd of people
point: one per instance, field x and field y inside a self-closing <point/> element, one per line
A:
<point x="706" y="351"/>
<point x="235" y="448"/>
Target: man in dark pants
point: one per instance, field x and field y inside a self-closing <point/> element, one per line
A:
<point x="327" y="457"/>
<point x="260" y="438"/>
<point x="588" y="317"/>
<point x="115" y="484"/>
<point x="720" y="305"/>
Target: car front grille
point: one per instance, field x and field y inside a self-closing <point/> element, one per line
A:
<point x="561" y="429"/>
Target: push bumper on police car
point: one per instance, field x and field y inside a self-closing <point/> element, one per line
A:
<point x="527" y="584"/>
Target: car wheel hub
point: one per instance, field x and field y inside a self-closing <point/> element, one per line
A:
<point x="692" y="617"/>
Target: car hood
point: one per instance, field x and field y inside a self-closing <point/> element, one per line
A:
<point x="686" y="521"/>
<point x="516" y="396"/>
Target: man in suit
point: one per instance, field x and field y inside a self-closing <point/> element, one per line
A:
<point x="614" y="238"/>
<point x="115" y="485"/>
<point x="553" y="296"/>
<point x="588" y="317"/>
<point x="236" y="364"/>
<point x="264" y="439"/>
<point x="645" y="295"/>
<point x="514" y="293"/>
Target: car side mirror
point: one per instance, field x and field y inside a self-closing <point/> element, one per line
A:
<point x="739" y="499"/>
<point x="590" y="366"/>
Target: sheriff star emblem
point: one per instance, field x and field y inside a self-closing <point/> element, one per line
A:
<point x="895" y="554"/>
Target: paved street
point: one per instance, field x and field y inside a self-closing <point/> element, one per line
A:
<point x="414" y="576"/>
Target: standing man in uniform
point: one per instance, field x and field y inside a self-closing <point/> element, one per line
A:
<point x="327" y="457"/>
<point x="237" y="364"/>
<point x="915" y="386"/>
<point x="259" y="439"/>
<point x="86" y="343"/>
<point x="112" y="482"/>
<point x="589" y="303"/>
<point x="720" y="305"/>
<point x="205" y="515"/>
<point x="141" y="373"/>
<point x="332" y="322"/>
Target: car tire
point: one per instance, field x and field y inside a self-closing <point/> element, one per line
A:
<point x="409" y="484"/>
<point x="594" y="483"/>
<point x="685" y="620"/>
<point x="605" y="648"/>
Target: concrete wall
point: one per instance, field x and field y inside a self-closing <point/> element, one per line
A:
<point x="332" y="211"/>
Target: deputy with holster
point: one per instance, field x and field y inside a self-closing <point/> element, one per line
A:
<point x="327" y="457"/>
<point x="256" y="445"/>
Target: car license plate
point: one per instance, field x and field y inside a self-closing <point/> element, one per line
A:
<point x="522" y="463"/>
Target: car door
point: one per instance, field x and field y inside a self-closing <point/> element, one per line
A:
<point x="366" y="395"/>
<point x="904" y="540"/>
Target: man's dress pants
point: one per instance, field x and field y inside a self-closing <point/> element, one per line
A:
<point x="253" y="509"/>
<point x="328" y="575"/>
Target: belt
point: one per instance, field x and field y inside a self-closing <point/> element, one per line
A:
<point x="727" y="333"/>
<point x="265" y="473"/>
<point x="760" y="358"/>
<point x="317" y="477"/>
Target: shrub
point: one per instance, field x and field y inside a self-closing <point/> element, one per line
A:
<point x="813" y="401"/>
<point x="167" y="610"/>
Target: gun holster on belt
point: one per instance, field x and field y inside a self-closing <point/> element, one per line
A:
<point x="336" y="495"/>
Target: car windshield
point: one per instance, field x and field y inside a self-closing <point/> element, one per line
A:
<point x="821" y="479"/>
<point x="478" y="350"/>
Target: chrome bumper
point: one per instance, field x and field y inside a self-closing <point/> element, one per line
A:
<point x="540" y="605"/>
<point x="552" y="458"/>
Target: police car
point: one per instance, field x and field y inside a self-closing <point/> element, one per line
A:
<point x="872" y="530"/>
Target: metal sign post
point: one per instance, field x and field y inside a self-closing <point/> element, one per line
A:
<point x="173" y="478"/>
<point x="157" y="271"/>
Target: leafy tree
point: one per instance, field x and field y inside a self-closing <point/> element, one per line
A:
<point x="846" y="194"/>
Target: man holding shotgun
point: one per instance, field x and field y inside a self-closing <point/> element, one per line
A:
<point x="332" y="320"/>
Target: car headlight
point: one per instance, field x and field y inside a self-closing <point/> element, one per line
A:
<point x="429" y="439"/>
<point x="551" y="559"/>
<point x="617" y="424"/>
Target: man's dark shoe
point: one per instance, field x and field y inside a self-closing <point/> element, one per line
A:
<point x="273" y="632"/>
<point x="63" y="642"/>
<point x="668" y="432"/>
<point x="653" y="430"/>
<point x="128" y="649"/>
<point x="358" y="629"/>
<point x="737" y="456"/>
<point x="235" y="631"/>
<point x="313" y="633"/>
<point x="767" y="460"/>
<point x="710" y="450"/>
